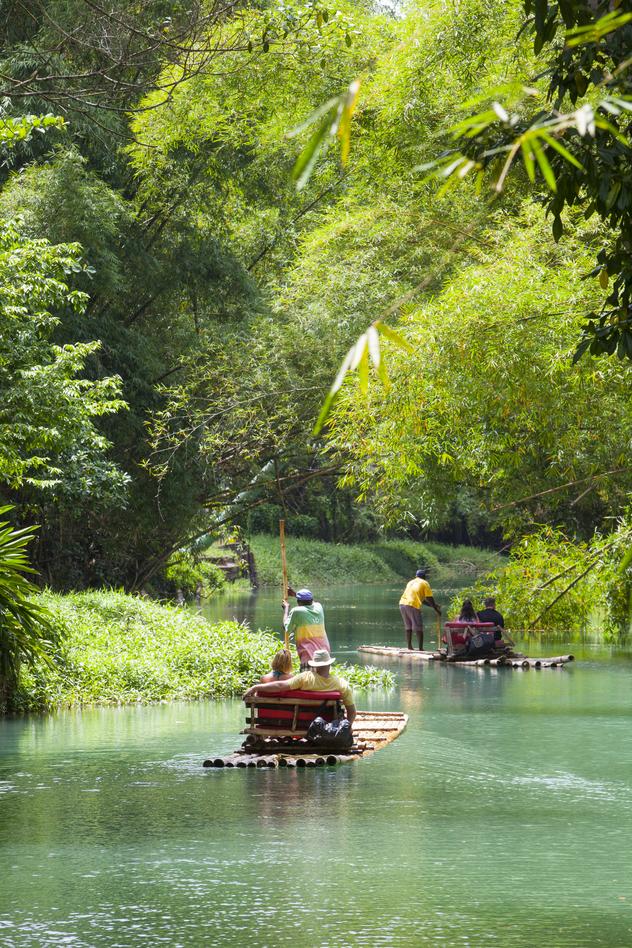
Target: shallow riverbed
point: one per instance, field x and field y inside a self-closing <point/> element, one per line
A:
<point x="501" y="817"/>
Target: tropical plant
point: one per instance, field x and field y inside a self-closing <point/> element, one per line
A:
<point x="26" y="632"/>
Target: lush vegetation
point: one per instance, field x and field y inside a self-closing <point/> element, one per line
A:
<point x="316" y="562"/>
<point x="114" y="648"/>
<point x="174" y="309"/>
<point x="27" y="634"/>
<point x="552" y="584"/>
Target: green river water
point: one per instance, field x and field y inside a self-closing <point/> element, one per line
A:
<point x="501" y="817"/>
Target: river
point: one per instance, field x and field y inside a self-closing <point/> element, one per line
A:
<point x="501" y="817"/>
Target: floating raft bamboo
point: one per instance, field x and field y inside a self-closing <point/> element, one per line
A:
<point x="372" y="730"/>
<point x="502" y="661"/>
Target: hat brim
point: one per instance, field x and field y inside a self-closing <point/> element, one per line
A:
<point x="321" y="664"/>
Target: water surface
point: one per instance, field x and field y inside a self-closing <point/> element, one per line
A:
<point x="501" y="817"/>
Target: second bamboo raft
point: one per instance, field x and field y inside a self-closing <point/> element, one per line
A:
<point x="502" y="661"/>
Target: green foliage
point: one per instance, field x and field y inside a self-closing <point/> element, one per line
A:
<point x="551" y="583"/>
<point x="491" y="405"/>
<point x="26" y="628"/>
<point x="365" y="676"/>
<point x="193" y="576"/>
<point x="48" y="438"/>
<point x="21" y="128"/>
<point x="582" y="157"/>
<point x="312" y="562"/>
<point x="120" y="649"/>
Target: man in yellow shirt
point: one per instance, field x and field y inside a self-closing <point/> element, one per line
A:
<point x="417" y="593"/>
<point x="318" y="678"/>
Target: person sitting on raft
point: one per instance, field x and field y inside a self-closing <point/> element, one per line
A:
<point x="417" y="593"/>
<point x="491" y="614"/>
<point x="281" y="667"/>
<point x="318" y="678"/>
<point x="307" y="621"/>
<point x="468" y="612"/>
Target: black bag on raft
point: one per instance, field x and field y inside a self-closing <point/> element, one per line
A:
<point x="335" y="734"/>
<point x="480" y="645"/>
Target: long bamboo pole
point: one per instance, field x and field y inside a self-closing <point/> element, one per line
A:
<point x="284" y="572"/>
<point x="438" y="632"/>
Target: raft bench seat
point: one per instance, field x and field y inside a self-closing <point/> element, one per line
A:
<point x="290" y="713"/>
<point x="455" y="633"/>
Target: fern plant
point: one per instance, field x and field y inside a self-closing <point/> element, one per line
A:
<point x="26" y="631"/>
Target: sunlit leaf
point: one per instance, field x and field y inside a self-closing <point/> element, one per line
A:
<point x="394" y="336"/>
<point x="363" y="370"/>
<point x="344" y="128"/>
<point x="564" y="152"/>
<point x="305" y="162"/>
<point x="543" y="162"/>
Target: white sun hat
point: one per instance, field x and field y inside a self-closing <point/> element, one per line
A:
<point x="321" y="657"/>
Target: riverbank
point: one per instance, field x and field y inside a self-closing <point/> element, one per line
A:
<point x="120" y="649"/>
<point x="316" y="562"/>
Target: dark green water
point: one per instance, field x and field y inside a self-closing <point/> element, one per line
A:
<point x="502" y="817"/>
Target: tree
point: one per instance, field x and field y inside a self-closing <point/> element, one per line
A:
<point x="575" y="141"/>
<point x="489" y="405"/>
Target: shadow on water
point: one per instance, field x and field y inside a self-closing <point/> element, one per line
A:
<point x="500" y="817"/>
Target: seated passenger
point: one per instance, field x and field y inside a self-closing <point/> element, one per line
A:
<point x="281" y="667"/>
<point x="318" y="678"/>
<point x="468" y="613"/>
<point x="491" y="614"/>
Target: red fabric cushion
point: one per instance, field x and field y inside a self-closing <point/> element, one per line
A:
<point x="457" y="637"/>
<point x="319" y="695"/>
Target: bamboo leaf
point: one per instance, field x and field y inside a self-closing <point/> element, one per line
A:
<point x="394" y="336"/>
<point x="545" y="167"/>
<point x="527" y="157"/>
<point x="333" y="391"/>
<point x="305" y="162"/>
<point x="373" y="339"/>
<point x="564" y="152"/>
<point x="363" y="370"/>
<point x="344" y="129"/>
<point x="358" y="351"/>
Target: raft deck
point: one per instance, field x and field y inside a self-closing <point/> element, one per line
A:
<point x="372" y="730"/>
<point x="502" y="661"/>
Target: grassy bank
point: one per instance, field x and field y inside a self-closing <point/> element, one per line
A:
<point x="117" y="649"/>
<point x="313" y="561"/>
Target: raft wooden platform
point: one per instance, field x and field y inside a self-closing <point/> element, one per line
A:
<point x="502" y="661"/>
<point x="372" y="730"/>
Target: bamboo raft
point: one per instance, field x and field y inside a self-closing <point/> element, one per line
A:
<point x="514" y="660"/>
<point x="372" y="730"/>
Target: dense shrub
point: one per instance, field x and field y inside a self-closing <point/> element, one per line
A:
<point x="117" y="648"/>
<point x="191" y="576"/>
<point x="552" y="583"/>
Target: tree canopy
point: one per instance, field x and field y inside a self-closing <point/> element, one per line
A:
<point x="177" y="309"/>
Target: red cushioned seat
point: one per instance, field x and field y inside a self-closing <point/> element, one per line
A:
<point x="457" y="630"/>
<point x="310" y="695"/>
<point x="284" y="710"/>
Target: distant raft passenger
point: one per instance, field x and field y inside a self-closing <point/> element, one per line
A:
<point x="307" y="622"/>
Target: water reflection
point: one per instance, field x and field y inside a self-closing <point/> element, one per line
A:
<point x="501" y="817"/>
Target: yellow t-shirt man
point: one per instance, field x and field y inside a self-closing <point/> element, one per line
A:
<point x="416" y="591"/>
<point x="312" y="681"/>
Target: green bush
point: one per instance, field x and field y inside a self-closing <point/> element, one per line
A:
<point x="119" y="649"/>
<point x="26" y="632"/>
<point x="190" y="575"/>
<point x="543" y="587"/>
